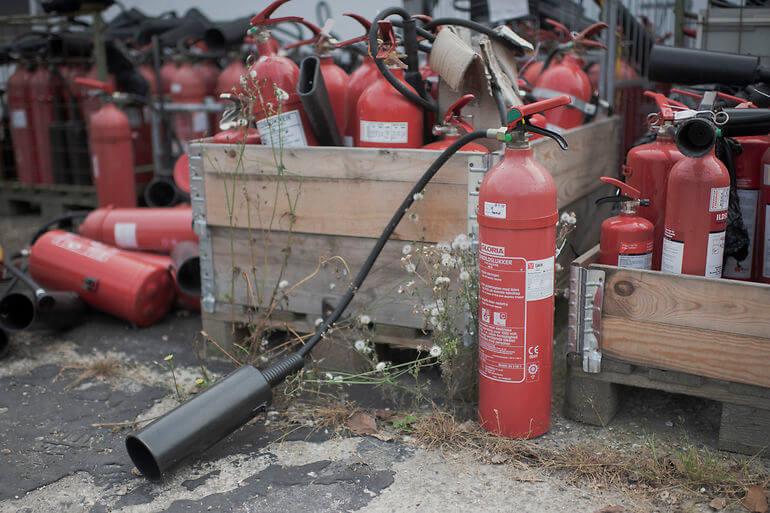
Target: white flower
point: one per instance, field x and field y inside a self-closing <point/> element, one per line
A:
<point x="381" y="366"/>
<point x="360" y="345"/>
<point x="332" y="286"/>
<point x="442" y="280"/>
<point x="410" y="267"/>
<point x="435" y="351"/>
<point x="283" y="284"/>
<point x="406" y="249"/>
<point x="244" y="81"/>
<point x="338" y="379"/>
<point x="443" y="246"/>
<point x="461" y="242"/>
<point x="418" y="196"/>
<point x="434" y="312"/>
<point x="253" y="74"/>
<point x="280" y="94"/>
<point x="568" y="218"/>
<point x="400" y="290"/>
<point x="558" y="267"/>
<point x="318" y="321"/>
<point x="465" y="275"/>
<point x="328" y="376"/>
<point x="364" y="319"/>
<point x="410" y="283"/>
<point x="264" y="343"/>
<point x="447" y="260"/>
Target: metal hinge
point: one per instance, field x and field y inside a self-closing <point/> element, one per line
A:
<point x="586" y="298"/>
<point x="200" y="226"/>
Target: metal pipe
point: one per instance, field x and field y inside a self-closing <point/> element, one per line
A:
<point x="186" y="263"/>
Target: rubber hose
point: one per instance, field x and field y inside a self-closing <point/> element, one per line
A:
<point x="355" y="285"/>
<point x="53" y="222"/>
<point x="476" y="27"/>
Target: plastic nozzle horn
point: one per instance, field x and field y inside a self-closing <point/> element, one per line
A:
<point x="724" y="96"/>
<point x="92" y="83"/>
<point x="263" y="18"/>
<point x="625" y="189"/>
<point x="520" y="112"/>
<point x="364" y="23"/>
<point x="453" y="114"/>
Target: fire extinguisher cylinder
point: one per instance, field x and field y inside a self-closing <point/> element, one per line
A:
<point x="185" y="260"/>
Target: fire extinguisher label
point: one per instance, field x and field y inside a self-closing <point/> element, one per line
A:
<point x="672" y="256"/>
<point x="283" y="129"/>
<point x="540" y="279"/>
<point x="125" y="235"/>
<point x="496" y="210"/>
<point x="18" y="119"/>
<point x="95" y="165"/>
<point x="176" y="87"/>
<point x="714" y="254"/>
<point x="200" y="122"/>
<point x="720" y="197"/>
<point x="384" y="132"/>
<point x="643" y="261"/>
<point x="766" y="174"/>
<point x="90" y="249"/>
<point x="733" y="268"/>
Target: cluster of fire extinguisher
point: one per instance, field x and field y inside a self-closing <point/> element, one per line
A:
<point x="675" y="200"/>
<point x="133" y="263"/>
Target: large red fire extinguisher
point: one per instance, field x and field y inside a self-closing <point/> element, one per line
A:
<point x="696" y="204"/>
<point x="143" y="229"/>
<point x="453" y="127"/>
<point x="22" y="124"/>
<point x="229" y="80"/>
<point x="112" y="154"/>
<point x="626" y="239"/>
<point x="189" y="86"/>
<point x="517" y="219"/>
<point x="107" y="278"/>
<point x="400" y="125"/>
<point x="567" y="77"/>
<point x="648" y="165"/>
<point x="280" y="118"/>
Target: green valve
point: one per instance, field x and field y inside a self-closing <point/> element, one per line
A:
<point x="513" y="115"/>
<point x="719" y="132"/>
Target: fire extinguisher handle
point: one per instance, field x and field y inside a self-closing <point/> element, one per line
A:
<point x="454" y="114"/>
<point x="92" y="83"/>
<point x="692" y="94"/>
<point x="561" y="141"/>
<point x="625" y="189"/>
<point x="520" y="112"/>
<point x="664" y="104"/>
<point x="315" y="29"/>
<point x="366" y="24"/>
<point x="263" y="18"/>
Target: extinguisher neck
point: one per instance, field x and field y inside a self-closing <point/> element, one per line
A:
<point x="519" y="140"/>
<point x="629" y="208"/>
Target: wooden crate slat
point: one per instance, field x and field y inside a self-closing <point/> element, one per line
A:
<point x="718" y="355"/>
<point x="688" y="301"/>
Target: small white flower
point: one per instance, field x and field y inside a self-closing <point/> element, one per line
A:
<point x="410" y="267"/>
<point x="381" y="366"/>
<point x="558" y="267"/>
<point x="410" y="283"/>
<point x="283" y="284"/>
<point x="418" y="196"/>
<point x="406" y="249"/>
<point x="264" y="343"/>
<point x="364" y="319"/>
<point x="461" y="242"/>
<point x="244" y="81"/>
<point x="447" y="260"/>
<point x="328" y="376"/>
<point x="253" y="74"/>
<point x="434" y="312"/>
<point x="465" y="275"/>
<point x="338" y="379"/>
<point x="360" y="345"/>
<point x="400" y="290"/>
<point x="565" y="217"/>
<point x="435" y="351"/>
<point x="442" y="280"/>
<point x="332" y="286"/>
<point x="318" y="321"/>
<point x="280" y="94"/>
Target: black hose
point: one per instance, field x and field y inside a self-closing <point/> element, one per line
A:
<point x="54" y="222"/>
<point x="475" y="26"/>
<point x="23" y="277"/>
<point x="355" y="285"/>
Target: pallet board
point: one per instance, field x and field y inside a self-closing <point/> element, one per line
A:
<point x="50" y="200"/>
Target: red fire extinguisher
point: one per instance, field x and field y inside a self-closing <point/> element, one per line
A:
<point x="360" y="79"/>
<point x="112" y="155"/>
<point x="22" y="124"/>
<point x="143" y="229"/>
<point x="517" y="218"/>
<point x="184" y="266"/>
<point x="107" y="278"/>
<point x="454" y="126"/>
<point x="189" y="86"/>
<point x="560" y="34"/>
<point x="229" y="80"/>
<point x="568" y="77"/>
<point x="275" y="81"/>
<point x="648" y="165"/>
<point x="167" y="74"/>
<point x="400" y="125"/>
<point x="44" y="88"/>
<point x="696" y="204"/>
<point x="763" y="222"/>
<point x="626" y="239"/>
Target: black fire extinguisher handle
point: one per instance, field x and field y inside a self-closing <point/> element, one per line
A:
<point x="561" y="141"/>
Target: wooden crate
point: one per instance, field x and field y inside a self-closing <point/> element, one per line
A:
<point x="685" y="334"/>
<point x="345" y="198"/>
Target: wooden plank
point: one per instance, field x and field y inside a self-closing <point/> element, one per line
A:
<point x="718" y="355"/>
<point x="725" y="306"/>
<point x="744" y="429"/>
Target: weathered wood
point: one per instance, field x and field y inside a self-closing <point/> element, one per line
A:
<point x="587" y="399"/>
<point x="744" y="429"/>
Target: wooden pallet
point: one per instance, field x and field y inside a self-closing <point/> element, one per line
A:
<point x="595" y="399"/>
<point x="49" y="200"/>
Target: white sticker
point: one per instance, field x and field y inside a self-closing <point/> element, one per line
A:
<point x="176" y="87"/>
<point x="200" y="122"/>
<point x="715" y="251"/>
<point x="749" y="203"/>
<point x="635" y="261"/>
<point x="18" y="119"/>
<point x="384" y="132"/>
<point x="95" y="165"/>
<point x="539" y="279"/>
<point x="672" y="256"/>
<point x="125" y="235"/>
<point x="347" y="140"/>
<point x="282" y="130"/>
<point x="85" y="247"/>
<point x="720" y="197"/>
<point x="766" y="174"/>
<point x="496" y="210"/>
<point x="503" y="10"/>
<point x="766" y="256"/>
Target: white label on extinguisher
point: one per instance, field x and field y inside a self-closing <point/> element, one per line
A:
<point x="348" y="141"/>
<point x="720" y="197"/>
<point x="200" y="122"/>
<point x="175" y="87"/>
<point x="384" y="132"/>
<point x="715" y="251"/>
<point x="18" y="119"/>
<point x="95" y="165"/>
<point x="283" y="129"/>
<point x="496" y="210"/>
<point x="766" y="174"/>
<point x="643" y="261"/>
<point x="87" y="248"/>
<point x="125" y="235"/>
<point x="733" y="268"/>
<point x="672" y="256"/>
<point x="539" y="279"/>
<point x="766" y="256"/>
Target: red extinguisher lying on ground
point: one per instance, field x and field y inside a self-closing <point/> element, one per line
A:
<point x="517" y="218"/>
<point x="626" y="239"/>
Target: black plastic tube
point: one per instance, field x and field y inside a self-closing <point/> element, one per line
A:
<point x="21" y="310"/>
<point x="312" y="91"/>
<point x="186" y="262"/>
<point x="746" y="122"/>
<point x="24" y="278"/>
<point x="56" y="221"/>
<point x="695" y="137"/>
<point x="472" y="25"/>
<point x="690" y="66"/>
<point x="228" y="33"/>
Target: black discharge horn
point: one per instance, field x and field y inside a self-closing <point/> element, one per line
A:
<point x="695" y="137"/>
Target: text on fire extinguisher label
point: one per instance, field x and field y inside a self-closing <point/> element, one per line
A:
<point x="384" y="132"/>
<point x="720" y="197"/>
<point x="87" y="248"/>
<point x="495" y="210"/>
<point x="506" y="288"/>
<point x="283" y="129"/>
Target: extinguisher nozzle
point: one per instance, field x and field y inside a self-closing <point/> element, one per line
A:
<point x="695" y="137"/>
<point x="187" y="268"/>
<point x="52" y="310"/>
<point x="17" y="311"/>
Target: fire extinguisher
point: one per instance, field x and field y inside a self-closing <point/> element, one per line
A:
<point x="763" y="222"/>
<point x="559" y="34"/>
<point x="276" y="85"/>
<point x="517" y="219"/>
<point x="143" y="229"/>
<point x="229" y="80"/>
<point x="112" y="155"/>
<point x="454" y="125"/>
<point x="568" y="77"/>
<point x="167" y="75"/>
<point x="400" y="125"/>
<point x="626" y="239"/>
<point x="360" y="79"/>
<point x="184" y="265"/>
<point x="189" y="86"/>
<point x="648" y="165"/>
<point x="696" y="204"/>
<point x="22" y="124"/>
<point x="44" y="88"/>
<point x="107" y="278"/>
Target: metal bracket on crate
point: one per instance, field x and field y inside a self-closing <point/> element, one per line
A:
<point x="586" y="298"/>
<point x="198" y="203"/>
<point x="477" y="166"/>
